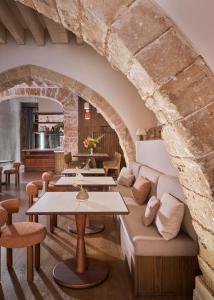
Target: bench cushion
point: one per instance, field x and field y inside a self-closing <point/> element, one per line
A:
<point x="124" y="190"/>
<point x="147" y="241"/>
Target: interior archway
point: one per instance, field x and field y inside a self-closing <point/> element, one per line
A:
<point x="168" y="74"/>
<point x="44" y="83"/>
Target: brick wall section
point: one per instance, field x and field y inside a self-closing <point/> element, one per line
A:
<point x="138" y="39"/>
<point x="18" y="82"/>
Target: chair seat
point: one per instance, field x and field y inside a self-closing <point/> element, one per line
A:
<point x="10" y="171"/>
<point x="23" y="234"/>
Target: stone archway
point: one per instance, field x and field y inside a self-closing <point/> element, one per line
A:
<point x="138" y="39"/>
<point x="31" y="80"/>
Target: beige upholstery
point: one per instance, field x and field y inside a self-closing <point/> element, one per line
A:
<point x="146" y="241"/>
<point x="124" y="190"/>
<point x="113" y="164"/>
<point x="152" y="175"/>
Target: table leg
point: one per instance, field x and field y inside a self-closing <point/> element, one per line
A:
<point x="80" y="272"/>
<point x="92" y="227"/>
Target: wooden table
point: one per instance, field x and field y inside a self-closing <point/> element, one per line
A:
<point x="91" y="171"/>
<point x="89" y="181"/>
<point x="80" y="271"/>
<point x="101" y="182"/>
<point x="93" y="156"/>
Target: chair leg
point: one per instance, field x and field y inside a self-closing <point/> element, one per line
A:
<point x="55" y="220"/>
<point x="8" y="178"/>
<point x="51" y="224"/>
<point x="18" y="178"/>
<point x="37" y="256"/>
<point x="30" y="264"/>
<point x="9" y="257"/>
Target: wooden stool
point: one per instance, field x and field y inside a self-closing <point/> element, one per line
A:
<point x="14" y="170"/>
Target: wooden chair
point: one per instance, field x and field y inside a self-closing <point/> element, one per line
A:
<point x="14" y="170"/>
<point x="69" y="163"/>
<point x="113" y="164"/>
<point x="20" y="235"/>
<point x="46" y="178"/>
<point x="32" y="192"/>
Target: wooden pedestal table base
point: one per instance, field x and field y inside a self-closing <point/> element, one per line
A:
<point x="80" y="272"/>
<point x="92" y="227"/>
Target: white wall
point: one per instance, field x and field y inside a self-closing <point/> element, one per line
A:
<point x="46" y="105"/>
<point x="10" y="130"/>
<point x="85" y="65"/>
<point x="153" y="154"/>
<point x="195" y="19"/>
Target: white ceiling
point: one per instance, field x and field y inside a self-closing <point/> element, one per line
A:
<point x="196" y="19"/>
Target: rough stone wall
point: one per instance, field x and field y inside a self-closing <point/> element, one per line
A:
<point x="138" y="39"/>
<point x="37" y="81"/>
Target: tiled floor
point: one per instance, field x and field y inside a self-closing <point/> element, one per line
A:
<point x="61" y="245"/>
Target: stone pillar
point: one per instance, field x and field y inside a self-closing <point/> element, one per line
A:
<point x="201" y="291"/>
<point x="71" y="125"/>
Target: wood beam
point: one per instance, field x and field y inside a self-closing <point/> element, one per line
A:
<point x="58" y="33"/>
<point x="33" y="23"/>
<point x="3" y="36"/>
<point x="11" y="23"/>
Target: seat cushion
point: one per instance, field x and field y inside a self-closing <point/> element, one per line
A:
<point x="147" y="241"/>
<point x="11" y="205"/>
<point x="141" y="189"/>
<point x="22" y="234"/>
<point x="123" y="190"/>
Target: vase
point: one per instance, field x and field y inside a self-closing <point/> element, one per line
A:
<point x="91" y="151"/>
<point x="82" y="195"/>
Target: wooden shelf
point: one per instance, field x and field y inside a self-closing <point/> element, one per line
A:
<point x="47" y="122"/>
<point x="47" y="113"/>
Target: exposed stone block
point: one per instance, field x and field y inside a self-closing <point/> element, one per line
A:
<point x="69" y="12"/>
<point x="190" y="90"/>
<point x="208" y="273"/>
<point x="97" y="17"/>
<point x="139" y="25"/>
<point x="160" y="61"/>
<point x="47" y="8"/>
<point x="200" y="126"/>
<point x="201" y="209"/>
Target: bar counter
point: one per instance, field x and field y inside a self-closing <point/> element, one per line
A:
<point x="42" y="159"/>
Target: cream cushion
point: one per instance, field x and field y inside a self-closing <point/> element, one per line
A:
<point x="141" y="189"/>
<point x="151" y="210"/>
<point x="169" y="217"/>
<point x="126" y="177"/>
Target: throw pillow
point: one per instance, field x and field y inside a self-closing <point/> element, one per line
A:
<point x="126" y="177"/>
<point x="141" y="189"/>
<point x="151" y="210"/>
<point x="169" y="216"/>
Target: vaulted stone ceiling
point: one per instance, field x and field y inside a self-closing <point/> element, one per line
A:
<point x="19" y="21"/>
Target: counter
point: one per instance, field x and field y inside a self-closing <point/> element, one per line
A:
<point x="42" y="159"/>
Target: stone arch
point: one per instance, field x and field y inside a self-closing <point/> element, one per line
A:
<point x="141" y="41"/>
<point x="37" y="81"/>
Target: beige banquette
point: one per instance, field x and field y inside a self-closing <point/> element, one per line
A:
<point x="157" y="266"/>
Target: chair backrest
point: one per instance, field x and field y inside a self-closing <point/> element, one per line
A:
<point x="16" y="166"/>
<point x="38" y="184"/>
<point x="67" y="157"/>
<point x="3" y="216"/>
<point x="117" y="159"/>
<point x="32" y="191"/>
<point x="46" y="178"/>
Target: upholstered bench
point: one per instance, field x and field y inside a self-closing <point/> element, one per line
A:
<point x="158" y="266"/>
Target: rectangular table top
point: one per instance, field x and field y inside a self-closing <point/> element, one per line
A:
<point x="94" y="155"/>
<point x="86" y="181"/>
<point x="99" y="171"/>
<point x="64" y="203"/>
